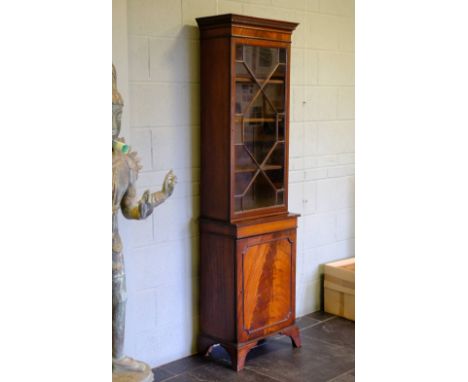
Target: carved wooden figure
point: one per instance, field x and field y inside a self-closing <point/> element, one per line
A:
<point x="247" y="235"/>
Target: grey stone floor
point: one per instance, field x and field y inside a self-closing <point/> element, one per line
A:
<point x="327" y="354"/>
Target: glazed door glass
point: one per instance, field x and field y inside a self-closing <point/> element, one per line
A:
<point x="259" y="127"/>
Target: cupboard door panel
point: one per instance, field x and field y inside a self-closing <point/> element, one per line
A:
<point x="267" y="277"/>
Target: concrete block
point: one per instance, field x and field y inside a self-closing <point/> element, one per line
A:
<point x="335" y="137"/>
<point x="299" y="266"/>
<point x="174" y="60"/>
<point x="345" y="224"/>
<point x="336" y="251"/>
<point x="194" y="249"/>
<point x="313" y="5"/>
<point x="188" y="174"/>
<point x="176" y="219"/>
<point x="311" y="67"/>
<point x="309" y="197"/>
<point x="296" y="163"/>
<point x="155" y="178"/>
<point x="311" y="266"/>
<point x="337" y="7"/>
<point x="296" y="139"/>
<point x="187" y="141"/>
<point x="142" y="230"/>
<point x="323" y="32"/>
<point x="319" y="230"/>
<point x="321" y="103"/>
<point x="307" y="298"/>
<point x="141" y="142"/>
<point x="315" y="174"/>
<point x="290" y="4"/>
<point x="141" y="309"/>
<point x="186" y="189"/>
<point x="315" y="258"/>
<point x="346" y="34"/>
<point x="172" y="300"/>
<point x="145" y="343"/>
<point x="336" y="68"/>
<point x="327" y="160"/>
<point x="346" y="103"/>
<point x="154" y="18"/>
<point x="173" y="339"/>
<point x="192" y="102"/>
<point x="346" y="158"/>
<point x="191" y="9"/>
<point x="297" y="103"/>
<point x="265" y="2"/>
<point x="310" y="162"/>
<point x="227" y="6"/>
<point x="164" y="104"/>
<point x="164" y="140"/>
<point x="297" y="66"/>
<point x="300" y="234"/>
<point x="156" y="104"/>
<point x="299" y="36"/>
<point x="310" y="138"/>
<point x="334" y="172"/>
<point x="295" y="197"/>
<point x="334" y="194"/>
<point x="296" y="176"/>
<point x="269" y="12"/>
<point x="159" y="264"/>
<point x="138" y="58"/>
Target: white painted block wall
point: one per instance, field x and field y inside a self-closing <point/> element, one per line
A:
<point x="163" y="113"/>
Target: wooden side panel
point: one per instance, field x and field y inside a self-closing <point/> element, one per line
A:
<point x="215" y="127"/>
<point x="339" y="288"/>
<point x="266" y="266"/>
<point x="217" y="286"/>
<point x="339" y="303"/>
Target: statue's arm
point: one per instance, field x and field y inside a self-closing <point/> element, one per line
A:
<point x="130" y="206"/>
<point x="141" y="209"/>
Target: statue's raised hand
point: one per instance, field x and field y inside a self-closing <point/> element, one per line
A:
<point x="149" y="201"/>
<point x="169" y="183"/>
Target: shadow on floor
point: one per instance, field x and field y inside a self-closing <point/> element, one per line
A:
<point x="326" y="355"/>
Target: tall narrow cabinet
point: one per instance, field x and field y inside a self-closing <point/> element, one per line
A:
<point x="247" y="235"/>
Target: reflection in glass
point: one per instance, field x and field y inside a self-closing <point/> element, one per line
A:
<point x="259" y="127"/>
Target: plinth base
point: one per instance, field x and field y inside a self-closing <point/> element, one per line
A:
<point x="133" y="376"/>
<point x="238" y="351"/>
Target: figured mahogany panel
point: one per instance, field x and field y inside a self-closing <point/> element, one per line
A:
<point x="267" y="275"/>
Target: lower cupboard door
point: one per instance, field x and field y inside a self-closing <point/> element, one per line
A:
<point x="267" y="273"/>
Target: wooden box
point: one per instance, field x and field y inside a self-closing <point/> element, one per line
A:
<point x="339" y="288"/>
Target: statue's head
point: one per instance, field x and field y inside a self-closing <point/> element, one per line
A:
<point x="117" y="105"/>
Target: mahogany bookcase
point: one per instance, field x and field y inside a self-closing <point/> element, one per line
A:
<point x="247" y="235"/>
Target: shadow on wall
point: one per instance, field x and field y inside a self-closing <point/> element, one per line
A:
<point x="195" y="138"/>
